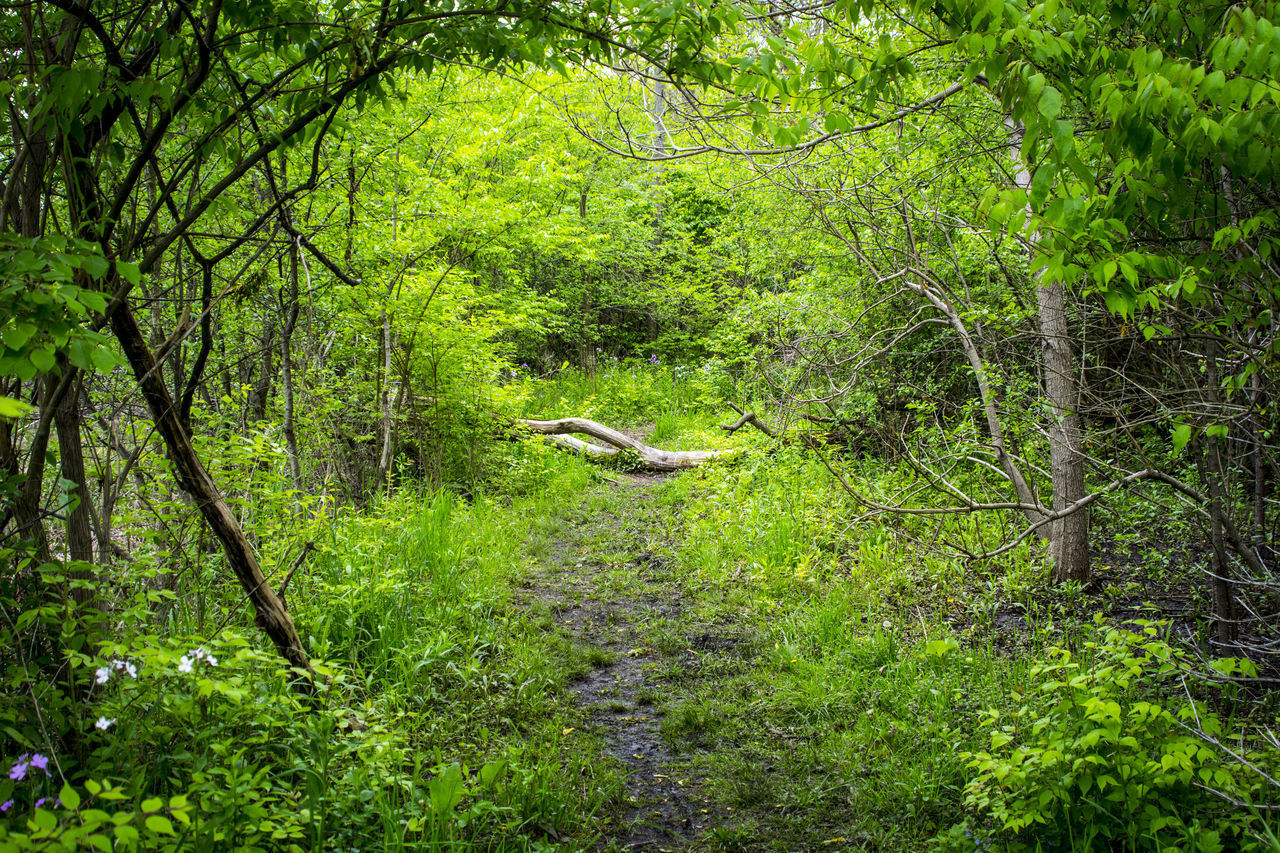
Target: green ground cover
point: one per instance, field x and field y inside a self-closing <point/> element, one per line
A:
<point x="797" y="677"/>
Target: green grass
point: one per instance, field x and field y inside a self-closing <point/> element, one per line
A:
<point x="822" y="673"/>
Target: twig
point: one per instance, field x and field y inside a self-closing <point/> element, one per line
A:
<point x="306" y="549"/>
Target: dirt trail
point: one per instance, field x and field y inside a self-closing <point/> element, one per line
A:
<point x="606" y="580"/>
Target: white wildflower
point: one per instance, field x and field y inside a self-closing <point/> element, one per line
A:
<point x="887" y="624"/>
<point x="104" y="724"/>
<point x="102" y="674"/>
<point x="184" y="664"/>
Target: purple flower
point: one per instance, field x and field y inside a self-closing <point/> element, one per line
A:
<point x="41" y="762"/>
<point x="654" y="360"/>
<point x="18" y="771"/>
<point x="40" y="802"/>
<point x="6" y="805"/>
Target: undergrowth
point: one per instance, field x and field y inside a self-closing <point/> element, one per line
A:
<point x="872" y="693"/>
<point x="441" y="721"/>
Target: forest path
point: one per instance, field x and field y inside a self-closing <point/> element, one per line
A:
<point x="608" y="582"/>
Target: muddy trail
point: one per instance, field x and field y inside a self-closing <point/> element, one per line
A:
<point x="609" y="586"/>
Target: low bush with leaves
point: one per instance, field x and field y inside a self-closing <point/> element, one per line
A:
<point x="1098" y="755"/>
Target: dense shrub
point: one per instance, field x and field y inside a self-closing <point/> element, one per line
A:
<point x="1102" y="754"/>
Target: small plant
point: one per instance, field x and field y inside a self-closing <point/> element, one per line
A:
<point x="689" y="722"/>
<point x="665" y="426"/>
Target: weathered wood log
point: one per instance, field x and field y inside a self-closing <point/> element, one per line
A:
<point x="558" y="433"/>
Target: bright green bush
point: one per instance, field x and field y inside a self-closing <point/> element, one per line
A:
<point x="1098" y="756"/>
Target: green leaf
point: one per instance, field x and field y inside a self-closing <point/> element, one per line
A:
<point x="16" y="337"/>
<point x="1041" y="184"/>
<point x="446" y="789"/>
<point x="43" y="359"/>
<point x="69" y="796"/>
<point x="940" y="648"/>
<point x="129" y="272"/>
<point x="160" y="825"/>
<point x="1181" y="435"/>
<point x="492" y="772"/>
<point x="103" y="359"/>
<point x="11" y="408"/>
<point x="95" y="265"/>
<point x="1050" y="102"/>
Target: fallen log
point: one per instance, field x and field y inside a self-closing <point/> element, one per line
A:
<point x="558" y="433"/>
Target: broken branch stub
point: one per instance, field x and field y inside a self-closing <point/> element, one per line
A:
<point x="559" y="432"/>
<point x="748" y="418"/>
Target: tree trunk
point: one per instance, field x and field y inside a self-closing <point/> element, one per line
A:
<point x="1068" y="536"/>
<point x="262" y="387"/>
<point x="386" y="454"/>
<point x="25" y="512"/>
<point x="272" y="617"/>
<point x="67" y="420"/>
<point x="1215" y="473"/>
<point x="290" y="310"/>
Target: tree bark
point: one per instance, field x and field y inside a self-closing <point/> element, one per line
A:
<point x="1068" y="536"/>
<point x="67" y="421"/>
<point x="658" y="460"/>
<point x="290" y="311"/>
<point x="386" y="455"/>
<point x="272" y="617"/>
<point x="1215" y="474"/>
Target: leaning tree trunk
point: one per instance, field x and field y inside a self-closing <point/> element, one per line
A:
<point x="272" y="617"/>
<point x="990" y="408"/>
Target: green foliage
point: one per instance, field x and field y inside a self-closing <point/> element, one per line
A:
<point x="1098" y="754"/>
<point x="46" y="297"/>
<point x="83" y="822"/>
<point x="429" y="732"/>
<point x="472" y="231"/>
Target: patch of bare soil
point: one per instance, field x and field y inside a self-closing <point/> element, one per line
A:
<point x="603" y="606"/>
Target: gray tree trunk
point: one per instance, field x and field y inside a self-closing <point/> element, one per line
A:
<point x="1068" y="536"/>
